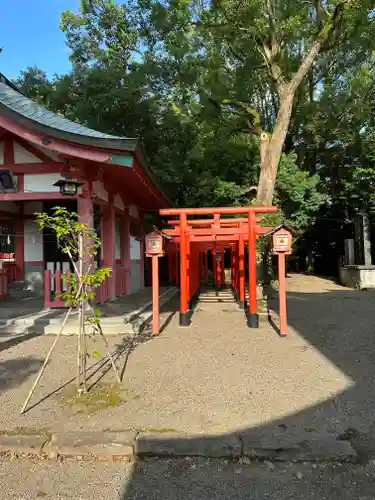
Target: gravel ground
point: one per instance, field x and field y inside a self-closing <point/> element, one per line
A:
<point x="184" y="480"/>
<point x="218" y="376"/>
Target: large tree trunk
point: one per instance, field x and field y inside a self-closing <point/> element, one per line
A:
<point x="271" y="156"/>
<point x="273" y="150"/>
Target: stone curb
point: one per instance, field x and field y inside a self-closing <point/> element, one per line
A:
<point x="105" y="445"/>
<point x="295" y="449"/>
<point x="128" y="445"/>
<point x="32" y="444"/>
<point x="179" y="445"/>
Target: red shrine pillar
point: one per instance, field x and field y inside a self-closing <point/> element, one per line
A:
<point x="85" y="209"/>
<point x="200" y="266"/>
<point x="184" y="289"/>
<point x="109" y="253"/>
<point x="237" y="283"/>
<point x="222" y="266"/>
<point x="19" y="227"/>
<point x="241" y="271"/>
<point x="176" y="258"/>
<point x="252" y="315"/>
<point x="142" y="250"/>
<point x="188" y="270"/>
<point x="214" y="264"/>
<point x="217" y="268"/>
<point x="177" y="269"/>
<point x="233" y="269"/>
<point x="195" y="274"/>
<point x="206" y="267"/>
<point x="282" y="296"/>
<point x="125" y="248"/>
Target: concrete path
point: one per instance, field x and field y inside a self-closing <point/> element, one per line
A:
<point x="27" y="309"/>
<point x="184" y="480"/>
<point x="218" y="376"/>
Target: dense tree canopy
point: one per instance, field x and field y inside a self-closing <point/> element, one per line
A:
<point x="200" y="82"/>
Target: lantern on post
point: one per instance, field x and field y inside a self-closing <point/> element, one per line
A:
<point x="281" y="241"/>
<point x="154" y="243"/>
<point x="68" y="187"/>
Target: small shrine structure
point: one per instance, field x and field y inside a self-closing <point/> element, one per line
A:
<point x="47" y="160"/>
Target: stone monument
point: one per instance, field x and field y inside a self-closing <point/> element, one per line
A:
<point x="362" y="240"/>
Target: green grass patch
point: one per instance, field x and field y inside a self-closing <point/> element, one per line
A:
<point x="24" y="431"/>
<point x="159" y="431"/>
<point x="99" y="397"/>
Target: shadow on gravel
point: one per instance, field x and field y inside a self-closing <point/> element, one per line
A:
<point x="14" y="341"/>
<point x="217" y="480"/>
<point x="14" y="372"/>
<point x="341" y="325"/>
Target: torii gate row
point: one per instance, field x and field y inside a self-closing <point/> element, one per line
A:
<point x="197" y="236"/>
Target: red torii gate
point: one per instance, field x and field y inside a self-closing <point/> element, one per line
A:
<point x="195" y="237"/>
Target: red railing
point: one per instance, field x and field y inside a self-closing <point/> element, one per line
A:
<point x="54" y="284"/>
<point x="103" y="292"/>
<point x="7" y="256"/>
<point x="3" y="284"/>
<point x="57" y="282"/>
<point x="121" y="280"/>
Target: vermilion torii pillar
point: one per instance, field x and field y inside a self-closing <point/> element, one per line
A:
<point x="252" y="316"/>
<point x="184" y="299"/>
<point x="205" y="260"/>
<point x="218" y="268"/>
<point x="241" y="271"/>
<point x="222" y="268"/>
<point x="214" y="264"/>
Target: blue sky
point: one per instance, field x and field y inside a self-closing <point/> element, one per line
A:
<point x="30" y="35"/>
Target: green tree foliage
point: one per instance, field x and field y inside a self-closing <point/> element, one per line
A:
<point x="250" y="59"/>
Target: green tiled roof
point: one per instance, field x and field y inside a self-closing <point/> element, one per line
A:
<point x="30" y="109"/>
<point x="28" y="113"/>
<point x="24" y="110"/>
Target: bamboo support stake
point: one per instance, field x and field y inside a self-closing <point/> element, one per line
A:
<point x="78" y="376"/>
<point x="49" y="355"/>
<point x="99" y="328"/>
<point x="110" y="355"/>
<point x="81" y="320"/>
<point x="45" y="362"/>
<point x="84" y="354"/>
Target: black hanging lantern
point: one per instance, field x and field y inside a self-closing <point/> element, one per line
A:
<point x="7" y="182"/>
<point x="68" y="187"/>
